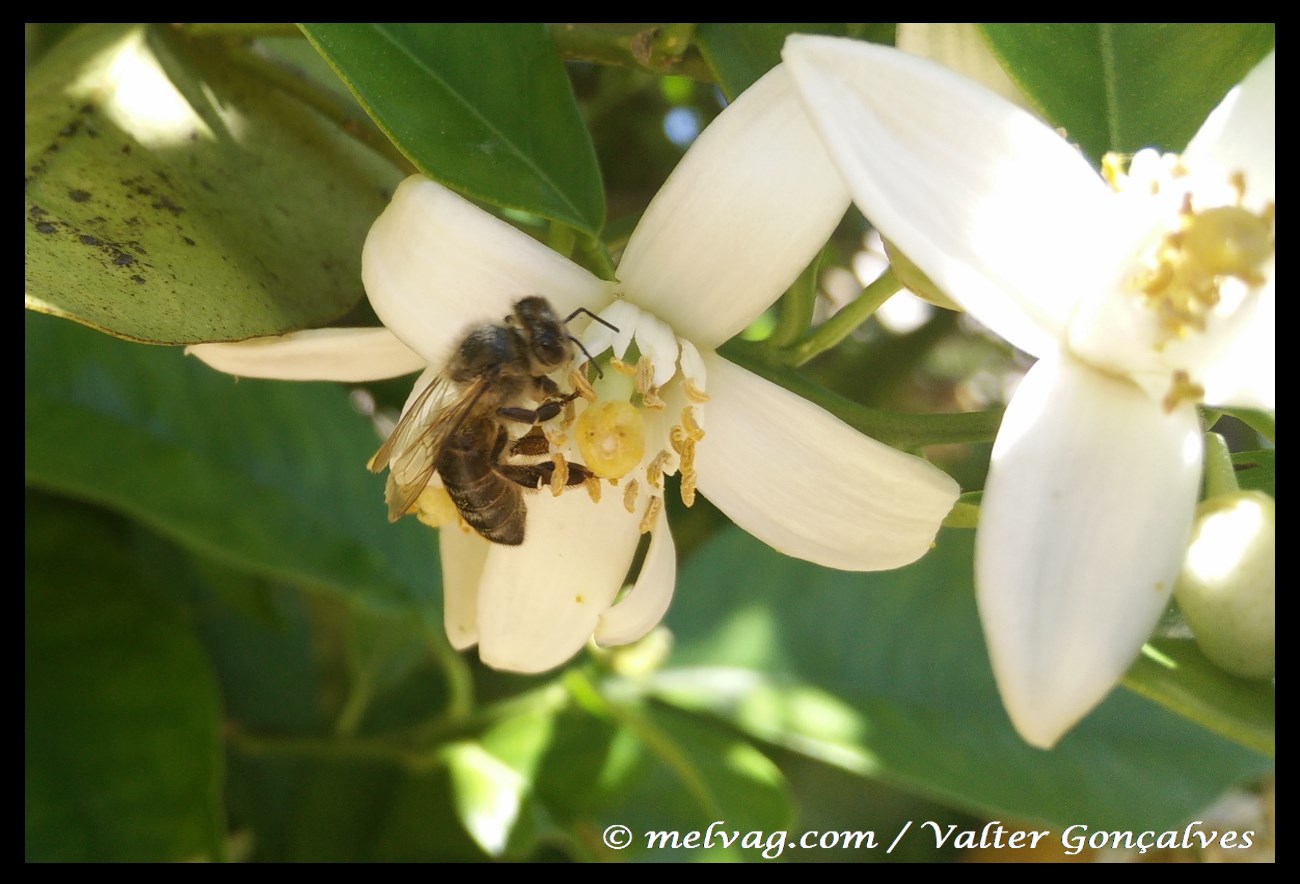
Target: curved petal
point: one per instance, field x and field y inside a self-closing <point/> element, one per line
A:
<point x="1004" y="215"/>
<point x="647" y="601"/>
<point x="1240" y="135"/>
<point x="740" y="217"/>
<point x="434" y="265"/>
<point x="1244" y="373"/>
<point x="539" y="603"/>
<point x="1083" y="526"/>
<point x="463" y="554"/>
<point x="808" y="484"/>
<point x="350" y="355"/>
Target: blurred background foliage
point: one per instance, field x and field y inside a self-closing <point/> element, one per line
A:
<point x="230" y="654"/>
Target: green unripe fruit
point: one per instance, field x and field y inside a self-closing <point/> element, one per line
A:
<point x="1226" y="587"/>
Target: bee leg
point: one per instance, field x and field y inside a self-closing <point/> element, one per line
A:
<point x="534" y="476"/>
<point x="532" y="444"/>
<point x="539" y="415"/>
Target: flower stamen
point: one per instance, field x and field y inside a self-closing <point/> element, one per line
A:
<point x="629" y="496"/>
<point x="1187" y="275"/>
<point x="559" y="475"/>
<point x="1181" y="389"/>
<point x="651" y="513"/>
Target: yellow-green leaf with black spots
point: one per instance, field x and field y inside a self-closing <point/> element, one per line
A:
<point x="173" y="197"/>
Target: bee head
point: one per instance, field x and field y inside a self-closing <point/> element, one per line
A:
<point x="547" y="337"/>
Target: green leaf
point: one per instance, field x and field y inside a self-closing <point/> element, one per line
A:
<point x="694" y="774"/>
<point x="486" y="109"/>
<point x="740" y="53"/>
<point x="1174" y="673"/>
<point x="1257" y="470"/>
<point x="886" y="675"/>
<point x="267" y="476"/>
<point x="1122" y="87"/>
<point x="172" y="197"/>
<point x="123" y="757"/>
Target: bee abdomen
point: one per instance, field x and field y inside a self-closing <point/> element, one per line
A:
<point x="491" y="505"/>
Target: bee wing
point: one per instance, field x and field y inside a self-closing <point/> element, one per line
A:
<point x="413" y="449"/>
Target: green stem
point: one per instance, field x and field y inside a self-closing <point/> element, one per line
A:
<point x="671" y="42"/>
<point x="417" y="750"/>
<point x="1220" y="476"/>
<point x="797" y="306"/>
<point x="629" y="46"/>
<point x="655" y="739"/>
<point x="905" y="431"/>
<point x="842" y="324"/>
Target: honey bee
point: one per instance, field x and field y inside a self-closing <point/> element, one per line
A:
<point x="458" y="425"/>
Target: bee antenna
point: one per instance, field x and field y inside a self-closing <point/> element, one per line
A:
<point x="590" y="361"/>
<point x="607" y="324"/>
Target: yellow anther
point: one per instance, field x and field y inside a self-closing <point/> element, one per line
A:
<point x="651" y="513"/>
<point x="629" y="496"/>
<point x="611" y="438"/>
<point x="654" y="471"/>
<point x="622" y="367"/>
<point x="693" y="393"/>
<point x="645" y="375"/>
<point x="592" y="484"/>
<point x="677" y="437"/>
<point x="578" y="381"/>
<point x="1182" y="389"/>
<point x="688" y="487"/>
<point x="560" y="474"/>
<point x="692" y="429"/>
<point x="1184" y="281"/>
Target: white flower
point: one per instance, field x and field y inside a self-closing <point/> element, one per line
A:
<point x="1138" y="304"/>
<point x="744" y="212"/>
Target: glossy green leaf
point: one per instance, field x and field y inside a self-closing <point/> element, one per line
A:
<point x="887" y="675"/>
<point x="486" y="109"/>
<point x="1125" y="86"/>
<point x="1257" y="470"/>
<point x="122" y="713"/>
<point x="174" y="197"/>
<point x="1175" y="673"/>
<point x="265" y="475"/>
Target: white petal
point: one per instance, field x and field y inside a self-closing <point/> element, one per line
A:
<point x="598" y="337"/>
<point x="740" y="217"/>
<point x="1244" y="374"/>
<point x="1240" y="135"/>
<point x="539" y="603"/>
<point x="655" y="339"/>
<point x="350" y="355"/>
<point x="809" y="485"/>
<point x="436" y="265"/>
<point x="647" y="601"/>
<point x="1005" y="216"/>
<point x="463" y="554"/>
<point x="1083" y="526"/>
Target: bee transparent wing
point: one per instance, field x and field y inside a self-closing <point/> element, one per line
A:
<point x="413" y="449"/>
